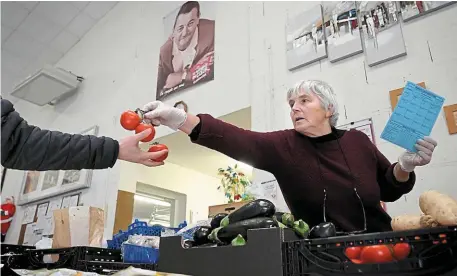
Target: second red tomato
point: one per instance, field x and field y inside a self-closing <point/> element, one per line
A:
<point x="143" y="127"/>
<point x="375" y="254"/>
<point x="353" y="252"/>
<point x="401" y="251"/>
<point x="159" y="147"/>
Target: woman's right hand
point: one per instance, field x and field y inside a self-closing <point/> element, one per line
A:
<point x="158" y="113"/>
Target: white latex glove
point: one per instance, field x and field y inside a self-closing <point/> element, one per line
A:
<point x="158" y="113"/>
<point x="409" y="160"/>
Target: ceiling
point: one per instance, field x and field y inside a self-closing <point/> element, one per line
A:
<point x="37" y="33"/>
<point x="184" y="153"/>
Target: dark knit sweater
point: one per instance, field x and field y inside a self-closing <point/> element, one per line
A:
<point x="304" y="166"/>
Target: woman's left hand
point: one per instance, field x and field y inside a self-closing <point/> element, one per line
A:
<point x="409" y="160"/>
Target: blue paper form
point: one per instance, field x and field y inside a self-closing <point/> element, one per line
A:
<point x="413" y="117"/>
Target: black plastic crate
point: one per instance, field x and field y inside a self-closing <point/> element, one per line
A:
<point x="14" y="255"/>
<point x="433" y="252"/>
<point x="67" y="257"/>
<point x="106" y="268"/>
<point x="262" y="255"/>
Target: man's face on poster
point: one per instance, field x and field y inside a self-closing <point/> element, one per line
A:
<point x="185" y="27"/>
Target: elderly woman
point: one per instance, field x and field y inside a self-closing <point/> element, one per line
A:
<point x="314" y="160"/>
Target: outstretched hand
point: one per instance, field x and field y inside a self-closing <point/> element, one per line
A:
<point x="130" y="151"/>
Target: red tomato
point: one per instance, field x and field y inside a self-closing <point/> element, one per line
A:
<point x="376" y="254"/>
<point x="401" y="251"/>
<point x="356" y="261"/>
<point x="159" y="147"/>
<point x="353" y="252"/>
<point x="143" y="127"/>
<point x="130" y="120"/>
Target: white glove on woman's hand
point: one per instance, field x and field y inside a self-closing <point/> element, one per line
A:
<point x="158" y="113"/>
<point x="409" y="160"/>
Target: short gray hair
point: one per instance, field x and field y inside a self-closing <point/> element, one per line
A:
<point x="322" y="90"/>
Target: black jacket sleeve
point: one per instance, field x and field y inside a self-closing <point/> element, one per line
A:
<point x="26" y="147"/>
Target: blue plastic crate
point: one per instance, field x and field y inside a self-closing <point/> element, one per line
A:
<point x="139" y="254"/>
<point x="141" y="228"/>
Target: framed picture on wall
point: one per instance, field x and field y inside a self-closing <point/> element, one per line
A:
<point x="450" y="113"/>
<point x="305" y="38"/>
<point x="40" y="185"/>
<point x="381" y="31"/>
<point x="413" y="9"/>
<point x="186" y="57"/>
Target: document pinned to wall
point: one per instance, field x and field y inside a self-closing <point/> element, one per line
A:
<point x="365" y="126"/>
<point x="74" y="199"/>
<point x="42" y="210"/>
<point x="66" y="201"/>
<point x="266" y="186"/>
<point x="32" y="235"/>
<point x="29" y="214"/>
<point x="55" y="204"/>
<point x="413" y="117"/>
<point x="46" y="223"/>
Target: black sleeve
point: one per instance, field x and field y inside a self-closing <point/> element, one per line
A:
<point x="26" y="147"/>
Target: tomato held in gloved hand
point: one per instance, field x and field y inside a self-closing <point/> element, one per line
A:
<point x="130" y="120"/>
<point x="375" y="254"/>
<point x="142" y="127"/>
<point x="159" y="147"/>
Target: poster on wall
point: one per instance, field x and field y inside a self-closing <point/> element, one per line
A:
<point x="187" y="55"/>
<point x="341" y="29"/>
<point x="413" y="9"/>
<point x="381" y="31"/>
<point x="305" y="42"/>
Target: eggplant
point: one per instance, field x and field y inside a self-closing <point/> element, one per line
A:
<point x="216" y="221"/>
<point x="285" y="218"/>
<point x="201" y="235"/>
<point x="228" y="233"/>
<point x="323" y="230"/>
<point x="188" y="244"/>
<point x="254" y="209"/>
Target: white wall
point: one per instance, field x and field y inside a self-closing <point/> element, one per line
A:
<point x="118" y="59"/>
<point x="364" y="98"/>
<point x="200" y="189"/>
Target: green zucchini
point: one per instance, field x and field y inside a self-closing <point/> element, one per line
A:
<point x="254" y="209"/>
<point x="301" y="228"/>
<point x="228" y="233"/>
<point x="216" y="221"/>
<point x="238" y="241"/>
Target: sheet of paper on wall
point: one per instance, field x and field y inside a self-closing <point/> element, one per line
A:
<point x="42" y="210"/>
<point x="413" y="117"/>
<point x="66" y="202"/>
<point x="46" y="223"/>
<point x="269" y="189"/>
<point x="55" y="204"/>
<point x="32" y="234"/>
<point x="74" y="200"/>
<point x="29" y="214"/>
<point x="365" y="126"/>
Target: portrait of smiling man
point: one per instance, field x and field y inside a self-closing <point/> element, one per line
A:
<point x="187" y="57"/>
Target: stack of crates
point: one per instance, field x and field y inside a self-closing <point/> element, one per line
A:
<point x="142" y="228"/>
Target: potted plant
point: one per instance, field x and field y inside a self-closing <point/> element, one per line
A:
<point x="234" y="183"/>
